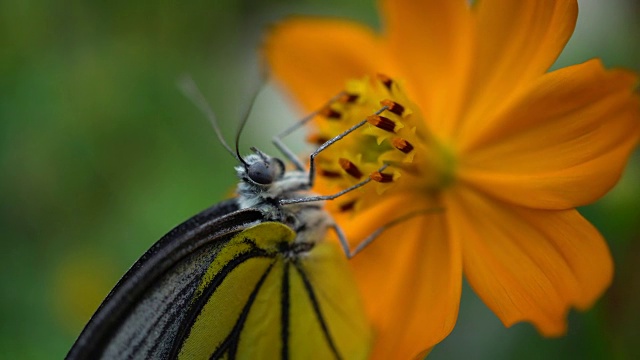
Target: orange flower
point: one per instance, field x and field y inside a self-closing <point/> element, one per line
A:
<point x="484" y="133"/>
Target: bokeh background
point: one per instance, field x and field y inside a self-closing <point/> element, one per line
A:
<point x="101" y="155"/>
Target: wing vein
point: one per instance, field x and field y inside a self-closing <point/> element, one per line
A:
<point x="316" y="309"/>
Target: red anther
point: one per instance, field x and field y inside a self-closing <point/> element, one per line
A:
<point x="317" y="139"/>
<point x="350" y="168"/>
<point x="387" y="81"/>
<point x="402" y="145"/>
<point x="382" y="122"/>
<point x="329" y="174"/>
<point x="381" y="177"/>
<point x="330" y="113"/>
<point x="347" y="98"/>
<point x="393" y="106"/>
<point x="344" y="207"/>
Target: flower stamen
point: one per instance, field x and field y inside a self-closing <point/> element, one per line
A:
<point x="347" y="206"/>
<point x="347" y="98"/>
<point x="382" y="122"/>
<point x="393" y="106"/>
<point x="381" y="177"/>
<point x="387" y="81"/>
<point x="330" y="113"/>
<point x="316" y="139"/>
<point x="329" y="174"/>
<point x="350" y="168"/>
<point x="402" y="145"/>
<point x="395" y="134"/>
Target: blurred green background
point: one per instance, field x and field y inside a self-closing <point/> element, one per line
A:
<point x="101" y="155"/>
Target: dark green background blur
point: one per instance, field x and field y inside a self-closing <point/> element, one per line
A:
<point x="101" y="155"/>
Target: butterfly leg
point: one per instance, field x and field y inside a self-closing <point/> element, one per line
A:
<point x="284" y="149"/>
<point x="328" y="197"/>
<point x="312" y="157"/>
<point x="342" y="238"/>
<point x="369" y="239"/>
<point x="278" y="143"/>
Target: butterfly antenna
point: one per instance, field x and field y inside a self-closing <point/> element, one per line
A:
<point x="248" y="112"/>
<point x="193" y="93"/>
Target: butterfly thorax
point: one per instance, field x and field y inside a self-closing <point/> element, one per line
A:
<point x="274" y="183"/>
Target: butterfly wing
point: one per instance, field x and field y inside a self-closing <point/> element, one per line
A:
<point x="227" y="288"/>
<point x="262" y="301"/>
<point x="325" y="304"/>
<point x="142" y="313"/>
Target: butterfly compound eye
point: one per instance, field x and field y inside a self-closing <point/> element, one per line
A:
<point x="260" y="173"/>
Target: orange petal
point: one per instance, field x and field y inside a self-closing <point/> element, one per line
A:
<point x="431" y="41"/>
<point x="410" y="278"/>
<point x="314" y="57"/>
<point x="529" y="265"/>
<point x="562" y="144"/>
<point x="517" y="42"/>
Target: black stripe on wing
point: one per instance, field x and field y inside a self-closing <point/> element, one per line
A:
<point x="231" y="342"/>
<point x="285" y="309"/>
<point x="316" y="309"/>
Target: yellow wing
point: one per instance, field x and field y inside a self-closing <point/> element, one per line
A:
<point x="265" y="296"/>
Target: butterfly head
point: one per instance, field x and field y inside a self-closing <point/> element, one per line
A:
<point x="261" y="169"/>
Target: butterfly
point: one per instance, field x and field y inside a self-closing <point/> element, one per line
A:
<point x="250" y="277"/>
